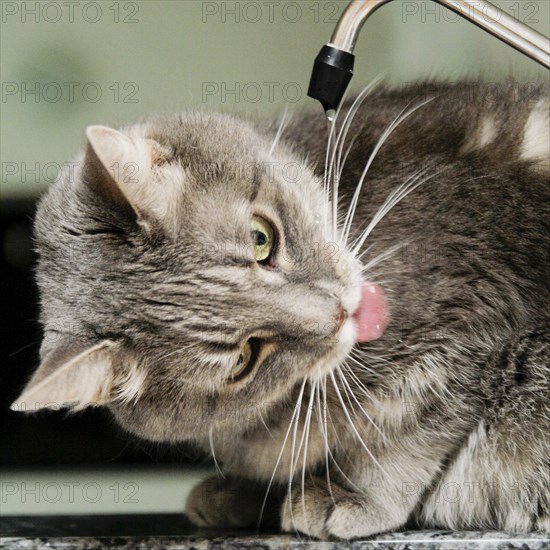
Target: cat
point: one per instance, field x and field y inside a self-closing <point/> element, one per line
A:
<point x="359" y="337"/>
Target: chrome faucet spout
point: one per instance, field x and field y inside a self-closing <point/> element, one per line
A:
<point x="333" y="67"/>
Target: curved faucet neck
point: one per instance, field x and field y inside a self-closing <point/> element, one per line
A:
<point x="480" y="12"/>
<point x="333" y="66"/>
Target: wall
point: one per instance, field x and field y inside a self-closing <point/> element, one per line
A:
<point x="67" y="65"/>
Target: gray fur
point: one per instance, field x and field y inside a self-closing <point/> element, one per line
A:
<point x="443" y="421"/>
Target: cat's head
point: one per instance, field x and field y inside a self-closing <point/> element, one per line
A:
<point x="187" y="278"/>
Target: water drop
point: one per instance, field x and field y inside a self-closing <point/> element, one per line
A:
<point x="331" y="113"/>
<point x="317" y="218"/>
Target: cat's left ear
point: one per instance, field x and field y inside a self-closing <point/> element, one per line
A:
<point x="132" y="171"/>
<point x="72" y="377"/>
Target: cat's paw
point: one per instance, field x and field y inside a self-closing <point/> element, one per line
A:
<point x="306" y="511"/>
<point x="543" y="524"/>
<point x="322" y="513"/>
<point x="350" y="518"/>
<point x="230" y="502"/>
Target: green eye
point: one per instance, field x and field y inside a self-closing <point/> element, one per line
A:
<point x="264" y="238"/>
<point x="246" y="360"/>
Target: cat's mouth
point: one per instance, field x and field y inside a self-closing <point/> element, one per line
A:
<point x="372" y="315"/>
<point x="367" y="323"/>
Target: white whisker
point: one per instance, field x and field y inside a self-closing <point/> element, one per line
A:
<point x="364" y="367"/>
<point x="292" y="462"/>
<point x="323" y="429"/>
<point x="352" y="425"/>
<point x="336" y="159"/>
<point x="211" y="441"/>
<point x="333" y="163"/>
<point x="326" y="413"/>
<point x="294" y="414"/>
<point x="307" y="422"/>
<point x="381" y="257"/>
<point x="395" y="198"/>
<point x="280" y="131"/>
<point x="367" y="416"/>
<point x="401" y="117"/>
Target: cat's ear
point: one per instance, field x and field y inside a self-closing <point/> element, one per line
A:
<point x="70" y="376"/>
<point x="127" y="170"/>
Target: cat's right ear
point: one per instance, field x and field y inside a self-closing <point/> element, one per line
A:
<point x="126" y="170"/>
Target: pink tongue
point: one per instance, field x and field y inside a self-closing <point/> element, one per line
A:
<point x="373" y="316"/>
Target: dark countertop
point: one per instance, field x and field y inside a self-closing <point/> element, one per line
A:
<point x="173" y="531"/>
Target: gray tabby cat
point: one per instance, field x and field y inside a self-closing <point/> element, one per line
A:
<point x="381" y="368"/>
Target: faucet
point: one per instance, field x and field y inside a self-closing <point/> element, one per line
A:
<point x="333" y="67"/>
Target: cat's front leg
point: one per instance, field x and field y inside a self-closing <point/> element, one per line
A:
<point x="324" y="510"/>
<point x="233" y="502"/>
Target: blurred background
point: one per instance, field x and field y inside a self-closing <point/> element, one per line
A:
<point x="66" y="65"/>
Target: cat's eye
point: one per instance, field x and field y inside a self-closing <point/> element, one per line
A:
<point x="246" y="360"/>
<point x="263" y="237"/>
